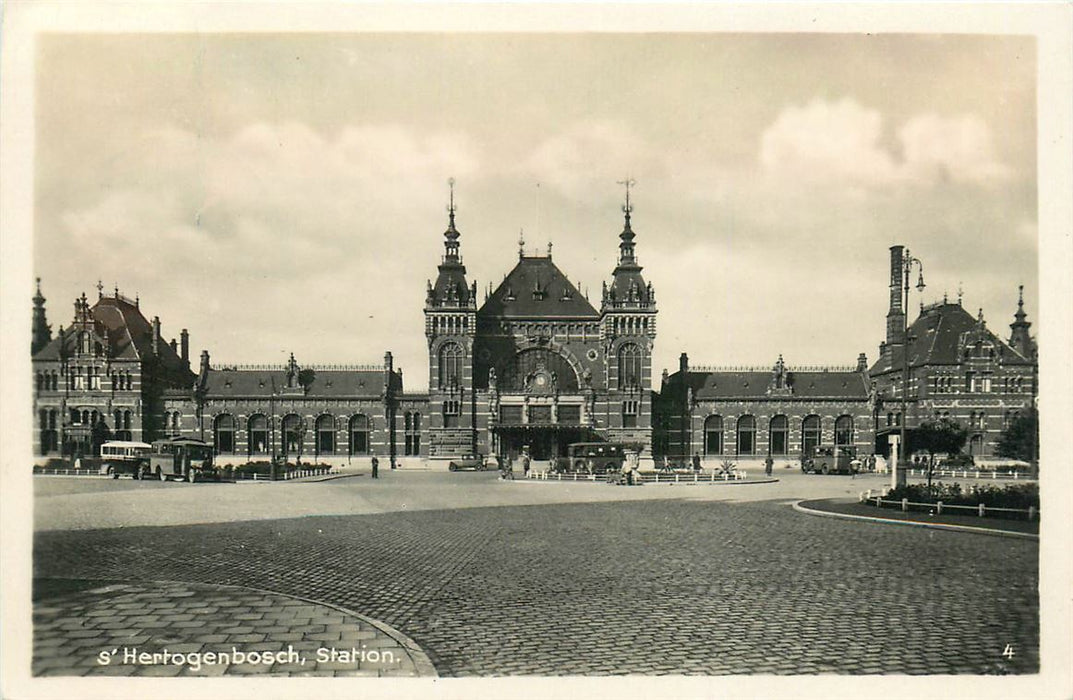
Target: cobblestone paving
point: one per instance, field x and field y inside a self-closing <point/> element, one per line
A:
<point x="246" y="632"/>
<point x="652" y="587"/>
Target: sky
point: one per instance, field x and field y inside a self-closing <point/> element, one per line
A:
<point x="278" y="193"/>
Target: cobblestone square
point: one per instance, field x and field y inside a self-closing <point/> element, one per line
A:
<point x="670" y="584"/>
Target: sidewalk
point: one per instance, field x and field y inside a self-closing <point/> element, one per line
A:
<point x="90" y="628"/>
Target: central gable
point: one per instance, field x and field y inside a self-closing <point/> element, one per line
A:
<point x="536" y="288"/>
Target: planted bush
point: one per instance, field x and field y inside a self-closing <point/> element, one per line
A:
<point x="1020" y="496"/>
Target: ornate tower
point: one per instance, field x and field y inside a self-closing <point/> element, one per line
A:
<point x="41" y="333"/>
<point x="628" y="333"/>
<point x="1020" y="339"/>
<point x="450" y="328"/>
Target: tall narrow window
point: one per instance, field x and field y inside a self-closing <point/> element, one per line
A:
<point x="224" y="434"/>
<point x="325" y="435"/>
<point x="746" y="435"/>
<point x="450" y="365"/>
<point x="630" y="409"/>
<point x="779" y="435"/>
<point x="359" y="434"/>
<point x="713" y="435"/>
<point x="810" y="433"/>
<point x="452" y="410"/>
<point x="291" y="435"/>
<point x="258" y="434"/>
<point x="629" y="366"/>
<point x="844" y="430"/>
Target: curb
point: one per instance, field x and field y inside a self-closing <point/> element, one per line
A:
<point x="934" y="526"/>
<point x="421" y="660"/>
<point x="743" y="482"/>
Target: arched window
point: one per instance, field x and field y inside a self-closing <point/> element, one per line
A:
<point x="291" y="435"/>
<point x="810" y="433"/>
<point x="779" y="438"/>
<point x="451" y="356"/>
<point x="629" y="366"/>
<point x="325" y="435"/>
<point x="257" y="427"/>
<point x="844" y="430"/>
<point x="223" y="434"/>
<point x="746" y="435"/>
<point x="713" y="435"/>
<point x="359" y="435"/>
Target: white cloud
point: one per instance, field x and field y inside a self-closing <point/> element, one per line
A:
<point x="845" y="144"/>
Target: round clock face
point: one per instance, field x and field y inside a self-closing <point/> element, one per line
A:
<point x="541" y="380"/>
<point x="592" y="355"/>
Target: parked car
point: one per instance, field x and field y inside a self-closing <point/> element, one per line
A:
<point x="828" y="459"/>
<point x="958" y="460"/>
<point x="468" y="461"/>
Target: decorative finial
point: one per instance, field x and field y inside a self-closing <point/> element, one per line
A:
<point x="1020" y="296"/>
<point x="100" y="289"/>
<point x="628" y="182"/>
<point x="521" y="243"/>
<point x="980" y="316"/>
<point x="117" y="290"/>
<point x="944" y="297"/>
<point x="549" y="249"/>
<point x="960" y="293"/>
<point x="451" y="205"/>
<point x="137" y="301"/>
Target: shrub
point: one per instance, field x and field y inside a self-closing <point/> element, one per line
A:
<point x="1011" y="496"/>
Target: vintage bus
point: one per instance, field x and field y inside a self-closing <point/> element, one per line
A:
<point x="831" y="459"/>
<point x="181" y="458"/>
<point x="125" y="457"/>
<point x="595" y="457"/>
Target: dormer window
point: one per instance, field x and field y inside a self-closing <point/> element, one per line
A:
<point x="509" y="296"/>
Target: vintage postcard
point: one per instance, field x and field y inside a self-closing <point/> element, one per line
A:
<point x="701" y="349"/>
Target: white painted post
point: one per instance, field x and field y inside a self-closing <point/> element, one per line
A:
<point x="939" y="507"/>
<point x="1032" y="512"/>
<point x="905" y="504"/>
<point x="894" y="449"/>
<point x="676" y="478"/>
<point x="982" y="510"/>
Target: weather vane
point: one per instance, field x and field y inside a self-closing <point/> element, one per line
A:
<point x="451" y="206"/>
<point x="628" y="182"/>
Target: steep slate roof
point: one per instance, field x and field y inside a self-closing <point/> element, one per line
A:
<point x="225" y="382"/>
<point x="528" y="275"/>
<point x="749" y="384"/>
<point x="129" y="335"/>
<point x="936" y="336"/>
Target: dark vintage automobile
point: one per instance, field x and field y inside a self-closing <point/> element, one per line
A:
<point x="469" y="460"/>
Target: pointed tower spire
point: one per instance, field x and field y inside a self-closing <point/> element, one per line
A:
<point x="451" y="234"/>
<point x="521" y="243"/>
<point x="1020" y="339"/>
<point x="627" y="254"/>
<point x="41" y="332"/>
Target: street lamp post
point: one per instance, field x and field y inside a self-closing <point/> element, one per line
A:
<point x="907" y="269"/>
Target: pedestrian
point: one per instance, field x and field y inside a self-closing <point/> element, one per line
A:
<point x="768" y="464"/>
<point x="696" y="461"/>
<point x="525" y="464"/>
<point x="376" y="468"/>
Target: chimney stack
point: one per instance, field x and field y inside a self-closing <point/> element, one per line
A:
<point x="683" y="363"/>
<point x="174" y="345"/>
<point x="862" y="363"/>
<point x="896" y="314"/>
<point x="204" y="362"/>
<point x="156" y="335"/>
<point x="184" y="347"/>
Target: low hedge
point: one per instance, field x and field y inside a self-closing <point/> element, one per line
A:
<point x="264" y="469"/>
<point x="1020" y="496"/>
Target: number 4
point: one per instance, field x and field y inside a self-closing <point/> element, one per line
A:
<point x="1008" y="651"/>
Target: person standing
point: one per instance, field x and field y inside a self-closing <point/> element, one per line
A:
<point x="376" y="468"/>
<point x="696" y="461"/>
<point x="525" y="463"/>
<point x="768" y="464"/>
